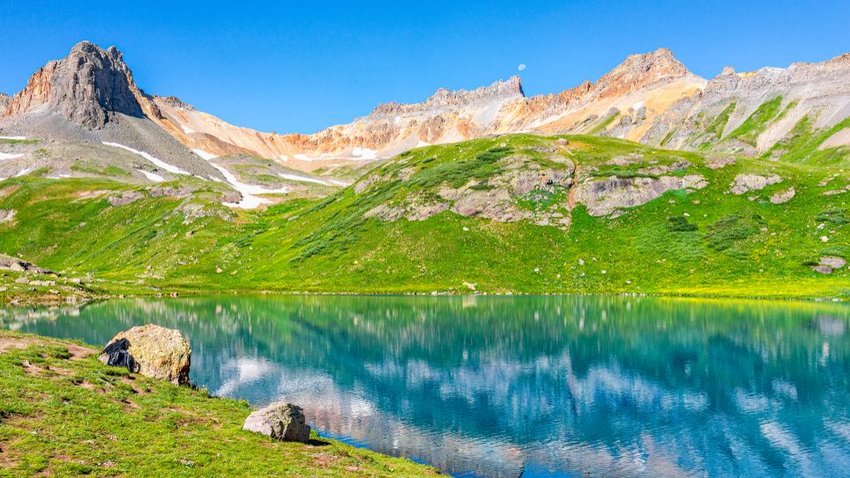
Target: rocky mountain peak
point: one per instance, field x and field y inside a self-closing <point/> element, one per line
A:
<point x="447" y="99"/>
<point x="175" y="102"/>
<point x="88" y="87"/>
<point x="641" y="70"/>
<point x="511" y="88"/>
<point x="91" y="84"/>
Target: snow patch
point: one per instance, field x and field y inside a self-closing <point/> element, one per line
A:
<point x="303" y="179"/>
<point x="421" y="144"/>
<point x="303" y="157"/>
<point x="248" y="191"/>
<point x="363" y="153"/>
<point x="337" y="182"/>
<point x="187" y="129"/>
<point x="151" y="176"/>
<point x="158" y="162"/>
<point x="59" y="176"/>
<point x="14" y="138"/>
<point x="5" y="156"/>
<point x="204" y="154"/>
<point x="24" y="172"/>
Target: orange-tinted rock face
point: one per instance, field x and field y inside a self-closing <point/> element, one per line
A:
<point x="36" y="93"/>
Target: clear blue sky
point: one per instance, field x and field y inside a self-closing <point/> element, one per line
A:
<point x="300" y="66"/>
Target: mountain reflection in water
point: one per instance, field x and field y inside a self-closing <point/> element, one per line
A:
<point x="503" y="386"/>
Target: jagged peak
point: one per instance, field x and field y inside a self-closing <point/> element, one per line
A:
<point x="174" y="102"/>
<point x="498" y="90"/>
<point x="87" y="87"/>
<point x="726" y="71"/>
<point x="642" y="69"/>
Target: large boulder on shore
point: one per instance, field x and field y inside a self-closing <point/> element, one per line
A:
<point x="152" y="351"/>
<point x="281" y="421"/>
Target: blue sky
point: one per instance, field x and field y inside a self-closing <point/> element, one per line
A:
<point x="301" y="66"/>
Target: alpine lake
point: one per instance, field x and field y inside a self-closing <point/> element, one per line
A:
<point x="524" y="386"/>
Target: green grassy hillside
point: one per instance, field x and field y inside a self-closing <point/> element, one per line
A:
<point x="396" y="231"/>
<point x="63" y="413"/>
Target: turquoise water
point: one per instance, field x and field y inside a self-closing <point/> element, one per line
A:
<point x="531" y="386"/>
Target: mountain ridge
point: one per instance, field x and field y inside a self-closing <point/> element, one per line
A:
<point x="651" y="98"/>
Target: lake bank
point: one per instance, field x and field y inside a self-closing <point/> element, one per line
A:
<point x="65" y="413"/>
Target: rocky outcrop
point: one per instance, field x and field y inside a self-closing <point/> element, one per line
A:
<point x="828" y="264"/>
<point x="499" y="198"/>
<point x="745" y="183"/>
<point x="782" y="197"/>
<point x="152" y="351"/>
<point x="280" y="421"/>
<point x="4" y="103"/>
<point x="606" y="196"/>
<point x="20" y="265"/>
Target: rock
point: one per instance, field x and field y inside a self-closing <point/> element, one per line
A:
<point x="833" y="261"/>
<point x="822" y="269"/>
<point x="19" y="265"/>
<point x="603" y="197"/>
<point x="156" y="352"/>
<point x="7" y="215"/>
<point x="719" y="162"/>
<point x="783" y="196"/>
<point x="280" y="421"/>
<point x="745" y="183"/>
<point x="125" y="198"/>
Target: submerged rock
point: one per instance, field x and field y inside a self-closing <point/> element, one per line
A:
<point x="152" y="351"/>
<point x="281" y="421"/>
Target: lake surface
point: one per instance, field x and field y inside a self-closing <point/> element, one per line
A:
<point x="531" y="386"/>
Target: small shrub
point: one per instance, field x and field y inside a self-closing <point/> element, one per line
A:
<point x="726" y="232"/>
<point x="834" y="216"/>
<point x="680" y="224"/>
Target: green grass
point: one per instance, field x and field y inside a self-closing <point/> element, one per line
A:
<point x="727" y="246"/>
<point x="803" y="143"/>
<point x="758" y="121"/>
<point x="718" y="124"/>
<point x="108" y="171"/>
<point x="63" y="413"/>
<point x="13" y="142"/>
<point x="603" y="125"/>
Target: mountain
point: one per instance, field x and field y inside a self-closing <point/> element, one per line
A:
<point x="650" y="98"/>
<point x="90" y="98"/>
<point x="675" y="184"/>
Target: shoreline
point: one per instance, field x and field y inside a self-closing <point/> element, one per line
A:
<point x="39" y="298"/>
<point x="46" y="377"/>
